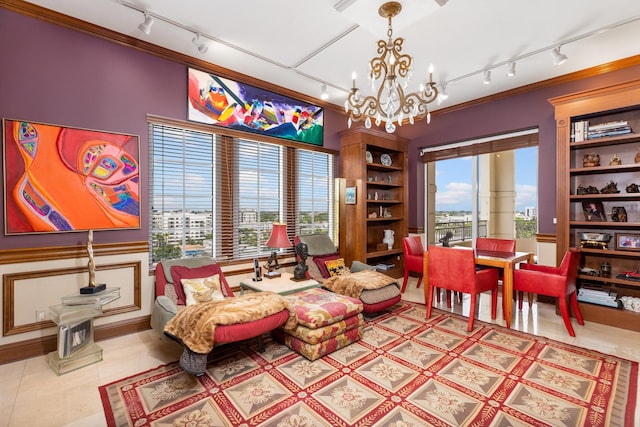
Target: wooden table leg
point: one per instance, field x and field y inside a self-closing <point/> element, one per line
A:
<point x="507" y="292"/>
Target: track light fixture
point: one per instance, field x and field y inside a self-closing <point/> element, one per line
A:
<point x="442" y="93"/>
<point x="558" y="58"/>
<point x="512" y="69"/>
<point x="200" y="44"/>
<point x="323" y="92"/>
<point x="145" y="26"/>
<point x="487" y="77"/>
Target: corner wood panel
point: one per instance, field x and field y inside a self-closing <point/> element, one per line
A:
<point x="9" y="283"/>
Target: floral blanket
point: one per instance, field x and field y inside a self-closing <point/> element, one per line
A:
<point x="195" y="325"/>
<point x="353" y="284"/>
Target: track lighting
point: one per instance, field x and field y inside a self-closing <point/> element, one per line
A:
<point x="145" y="26"/>
<point x="323" y="92"/>
<point x="487" y="77"/>
<point x="558" y="58"/>
<point x="200" y="44"/>
<point x="512" y="69"/>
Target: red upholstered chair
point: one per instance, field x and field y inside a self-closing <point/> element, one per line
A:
<point x="413" y="258"/>
<point x="454" y="269"/>
<point x="559" y="282"/>
<point x="498" y="245"/>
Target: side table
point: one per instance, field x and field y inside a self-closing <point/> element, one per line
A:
<point x="282" y="285"/>
<point x="74" y="318"/>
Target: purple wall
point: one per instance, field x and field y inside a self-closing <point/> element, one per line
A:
<point x="531" y="109"/>
<point x="54" y="75"/>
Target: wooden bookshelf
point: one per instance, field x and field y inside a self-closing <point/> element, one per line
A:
<point x="381" y="197"/>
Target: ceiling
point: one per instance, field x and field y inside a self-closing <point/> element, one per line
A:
<point x="301" y="45"/>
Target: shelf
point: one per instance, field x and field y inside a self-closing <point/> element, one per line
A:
<point x="617" y="317"/>
<point x="594" y="224"/>
<point x="609" y="280"/>
<point x="629" y="167"/>
<point x="383" y="202"/>
<point x="378" y="254"/>
<point x="632" y="197"/>
<point x="378" y="184"/>
<point x="382" y="168"/>
<point x="611" y="252"/>
<point x="614" y="140"/>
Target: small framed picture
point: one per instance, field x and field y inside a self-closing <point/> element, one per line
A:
<point x="628" y="242"/>
<point x="350" y="196"/>
<point x="593" y="211"/>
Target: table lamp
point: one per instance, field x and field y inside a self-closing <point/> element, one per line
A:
<point x="278" y="240"/>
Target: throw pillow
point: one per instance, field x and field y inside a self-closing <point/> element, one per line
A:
<point x="320" y="261"/>
<point x="179" y="272"/>
<point x="204" y="289"/>
<point x="336" y="267"/>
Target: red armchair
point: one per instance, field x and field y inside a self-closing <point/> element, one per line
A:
<point x="413" y="258"/>
<point x="454" y="269"/>
<point x="559" y="282"/>
<point x="498" y="245"/>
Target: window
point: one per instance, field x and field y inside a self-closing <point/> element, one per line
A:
<point x="216" y="195"/>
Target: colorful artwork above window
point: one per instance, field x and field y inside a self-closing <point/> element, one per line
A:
<point x="224" y="102"/>
<point x="61" y="179"/>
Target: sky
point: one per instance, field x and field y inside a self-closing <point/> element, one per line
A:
<point x="453" y="180"/>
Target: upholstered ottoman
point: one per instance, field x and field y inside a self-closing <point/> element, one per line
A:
<point x="326" y="322"/>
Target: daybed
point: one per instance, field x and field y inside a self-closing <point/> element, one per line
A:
<point x="224" y="318"/>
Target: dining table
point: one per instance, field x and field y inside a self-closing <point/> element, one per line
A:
<point x="507" y="261"/>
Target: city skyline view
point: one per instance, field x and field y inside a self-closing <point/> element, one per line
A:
<point x="453" y="181"/>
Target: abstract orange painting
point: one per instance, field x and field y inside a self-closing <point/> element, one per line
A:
<point x="60" y="179"/>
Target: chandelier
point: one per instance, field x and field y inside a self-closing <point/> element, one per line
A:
<point x="393" y="70"/>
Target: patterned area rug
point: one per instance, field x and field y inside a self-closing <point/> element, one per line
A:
<point x="404" y="372"/>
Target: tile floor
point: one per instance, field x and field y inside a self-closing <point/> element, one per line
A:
<point x="32" y="395"/>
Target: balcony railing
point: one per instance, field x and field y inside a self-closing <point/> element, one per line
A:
<point x="462" y="230"/>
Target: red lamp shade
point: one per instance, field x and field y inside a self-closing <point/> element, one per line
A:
<point x="279" y="237"/>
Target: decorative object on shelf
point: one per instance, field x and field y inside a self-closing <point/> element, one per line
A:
<point x="591" y="160"/>
<point x="372" y="215"/>
<point x="369" y="157"/>
<point x="375" y="196"/>
<point x="605" y="269"/>
<point x="615" y="160"/>
<point x="630" y="303"/>
<point x="628" y="242"/>
<point x="390" y="104"/>
<point x="92" y="288"/>
<point x="593" y="211"/>
<point x="381" y="247"/>
<point x="582" y="190"/>
<point x="389" y="238"/>
<point x="637" y="158"/>
<point x="389" y="179"/>
<point x="633" y="188"/>
<point x="278" y="240"/>
<point x="300" y="272"/>
<point x="610" y="188"/>
<point x="618" y="214"/>
<point x="350" y="196"/>
<point x="385" y="159"/>
<point x="594" y="240"/>
<point x="387" y="213"/>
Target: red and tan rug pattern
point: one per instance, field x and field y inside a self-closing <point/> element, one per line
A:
<point x="404" y="372"/>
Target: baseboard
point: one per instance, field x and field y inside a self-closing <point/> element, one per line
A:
<point x="45" y="345"/>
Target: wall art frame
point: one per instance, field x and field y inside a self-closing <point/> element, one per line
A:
<point x="222" y="102"/>
<point x="350" y="196"/>
<point x="64" y="179"/>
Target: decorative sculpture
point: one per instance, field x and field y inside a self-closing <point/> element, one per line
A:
<point x="92" y="288"/>
<point x="300" y="272"/>
<point x="446" y="238"/>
